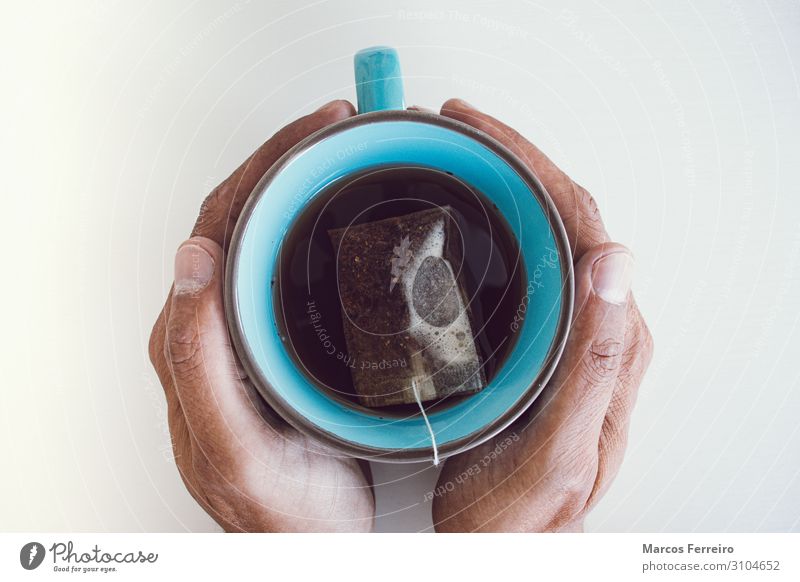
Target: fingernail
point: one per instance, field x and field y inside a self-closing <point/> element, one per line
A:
<point x="421" y="109"/>
<point x="612" y="276"/>
<point x="194" y="268"/>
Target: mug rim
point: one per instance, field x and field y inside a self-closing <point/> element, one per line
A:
<point x="332" y="440"/>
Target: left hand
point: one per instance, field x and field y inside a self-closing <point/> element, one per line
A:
<point x="243" y="464"/>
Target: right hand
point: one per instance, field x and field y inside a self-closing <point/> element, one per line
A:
<point x="549" y="469"/>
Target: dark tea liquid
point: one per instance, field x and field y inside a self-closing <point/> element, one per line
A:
<point x="307" y="305"/>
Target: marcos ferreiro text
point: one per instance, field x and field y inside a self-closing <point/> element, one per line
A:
<point x="687" y="549"/>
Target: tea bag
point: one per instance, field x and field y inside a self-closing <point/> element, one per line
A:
<point x="405" y="310"/>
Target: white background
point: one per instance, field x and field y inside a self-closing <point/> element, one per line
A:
<point x="682" y="118"/>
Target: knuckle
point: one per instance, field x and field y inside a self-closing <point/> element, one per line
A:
<point x="586" y="201"/>
<point x="648" y="345"/>
<point x="640" y="344"/>
<point x="638" y="354"/>
<point x="587" y="212"/>
<point x="571" y="490"/>
<point x="210" y="208"/>
<point x="155" y="345"/>
<point x="581" y="215"/>
<point x="576" y="488"/>
<point x="603" y="360"/>
<point x="183" y="349"/>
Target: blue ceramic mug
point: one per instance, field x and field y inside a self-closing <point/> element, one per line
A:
<point x="385" y="134"/>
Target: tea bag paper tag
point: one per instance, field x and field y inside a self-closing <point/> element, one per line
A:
<point x="427" y="422"/>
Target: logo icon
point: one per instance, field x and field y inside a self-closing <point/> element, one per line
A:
<point x="31" y="555"/>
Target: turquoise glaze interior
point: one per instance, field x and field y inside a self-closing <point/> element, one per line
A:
<point x="397" y="142"/>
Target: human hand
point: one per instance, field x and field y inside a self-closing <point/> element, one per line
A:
<point x="551" y="467"/>
<point x="243" y="464"/>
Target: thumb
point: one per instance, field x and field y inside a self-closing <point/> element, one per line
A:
<point x="585" y="378"/>
<point x="220" y="406"/>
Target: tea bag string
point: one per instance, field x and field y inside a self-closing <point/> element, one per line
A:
<point x="417" y="397"/>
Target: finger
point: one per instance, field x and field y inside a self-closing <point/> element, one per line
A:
<point x="580" y="391"/>
<point x="180" y="438"/>
<point x="155" y="350"/>
<point x="221" y="409"/>
<point x="221" y="209"/>
<point x="575" y="205"/>
<point x="614" y="435"/>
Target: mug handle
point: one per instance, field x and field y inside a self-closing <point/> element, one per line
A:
<point x="379" y="83"/>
